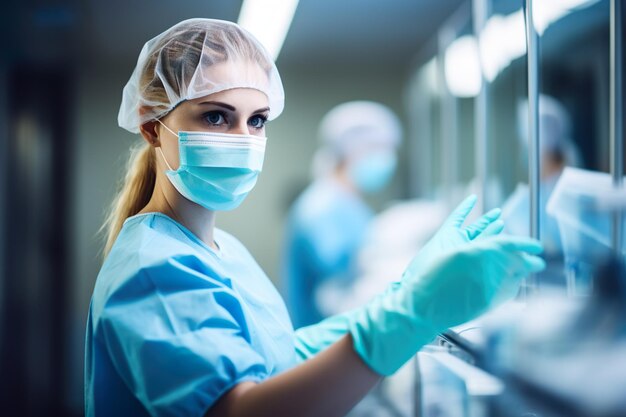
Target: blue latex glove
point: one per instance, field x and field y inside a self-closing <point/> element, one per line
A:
<point x="452" y="235"/>
<point x="458" y="287"/>
<point x="311" y="340"/>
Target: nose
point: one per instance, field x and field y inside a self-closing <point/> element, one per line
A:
<point x="241" y="128"/>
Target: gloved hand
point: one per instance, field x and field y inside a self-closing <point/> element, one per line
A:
<point x="310" y="340"/>
<point x="451" y="235"/>
<point x="458" y="287"/>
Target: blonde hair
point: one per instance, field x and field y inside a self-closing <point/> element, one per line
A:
<point x="134" y="194"/>
<point x="176" y="55"/>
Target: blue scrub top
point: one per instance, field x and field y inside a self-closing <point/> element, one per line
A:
<point x="174" y="324"/>
<point x="517" y="220"/>
<point x="325" y="230"/>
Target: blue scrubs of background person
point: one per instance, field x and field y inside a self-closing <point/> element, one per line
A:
<point x="327" y="223"/>
<point x="325" y="229"/>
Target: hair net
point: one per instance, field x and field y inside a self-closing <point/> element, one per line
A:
<point x="354" y="126"/>
<point x="554" y="129"/>
<point x="193" y="59"/>
<point x="350" y="129"/>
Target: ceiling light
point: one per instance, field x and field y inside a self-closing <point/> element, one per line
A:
<point x="268" y="21"/>
<point x="462" y="67"/>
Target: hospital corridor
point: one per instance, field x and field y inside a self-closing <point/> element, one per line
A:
<point x="301" y="208"/>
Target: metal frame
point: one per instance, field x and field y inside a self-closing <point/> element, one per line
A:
<point x="4" y="135"/>
<point x="616" y="114"/>
<point x="534" y="174"/>
<point x="480" y="14"/>
<point x="534" y="168"/>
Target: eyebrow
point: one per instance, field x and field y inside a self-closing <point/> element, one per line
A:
<point x="220" y="104"/>
<point x="263" y="110"/>
<point x="231" y="108"/>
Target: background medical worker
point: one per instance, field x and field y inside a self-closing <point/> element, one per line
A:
<point x="328" y="221"/>
<point x="556" y="151"/>
<point x="182" y="320"/>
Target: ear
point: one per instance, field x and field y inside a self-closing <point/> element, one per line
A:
<point x="150" y="132"/>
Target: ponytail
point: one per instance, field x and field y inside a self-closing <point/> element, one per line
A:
<point x="135" y="193"/>
<point x="179" y="63"/>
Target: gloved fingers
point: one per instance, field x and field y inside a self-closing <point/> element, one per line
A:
<point x="533" y="264"/>
<point x="494" y="229"/>
<point x="459" y="214"/>
<point x="517" y="244"/>
<point x="480" y="225"/>
<point x="519" y="263"/>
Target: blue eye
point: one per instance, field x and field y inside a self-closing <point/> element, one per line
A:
<point x="214" y="118"/>
<point x="257" y="121"/>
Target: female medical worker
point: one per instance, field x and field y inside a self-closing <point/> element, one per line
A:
<point x="183" y="322"/>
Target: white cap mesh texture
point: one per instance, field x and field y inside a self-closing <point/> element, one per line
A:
<point x="193" y="59"/>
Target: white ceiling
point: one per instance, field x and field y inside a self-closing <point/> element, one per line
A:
<point x="344" y="32"/>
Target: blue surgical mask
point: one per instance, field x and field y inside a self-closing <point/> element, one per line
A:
<point x="372" y="172"/>
<point x="217" y="170"/>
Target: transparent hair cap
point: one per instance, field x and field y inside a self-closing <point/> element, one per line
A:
<point x="193" y="59"/>
<point x="353" y="126"/>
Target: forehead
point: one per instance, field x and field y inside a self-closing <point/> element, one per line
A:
<point x="233" y="74"/>
<point x="238" y="97"/>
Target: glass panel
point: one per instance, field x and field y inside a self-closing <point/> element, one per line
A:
<point x="424" y="131"/>
<point x="505" y="72"/>
<point x="458" y="50"/>
<point x="574" y="132"/>
<point x="465" y="140"/>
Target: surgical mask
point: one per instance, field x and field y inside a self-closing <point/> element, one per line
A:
<point x="217" y="170"/>
<point x="373" y="171"/>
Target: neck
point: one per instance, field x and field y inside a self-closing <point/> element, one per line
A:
<point x="342" y="177"/>
<point x="550" y="168"/>
<point x="165" y="199"/>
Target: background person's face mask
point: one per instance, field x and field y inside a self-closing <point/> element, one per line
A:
<point x="372" y="172"/>
<point x="217" y="170"/>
